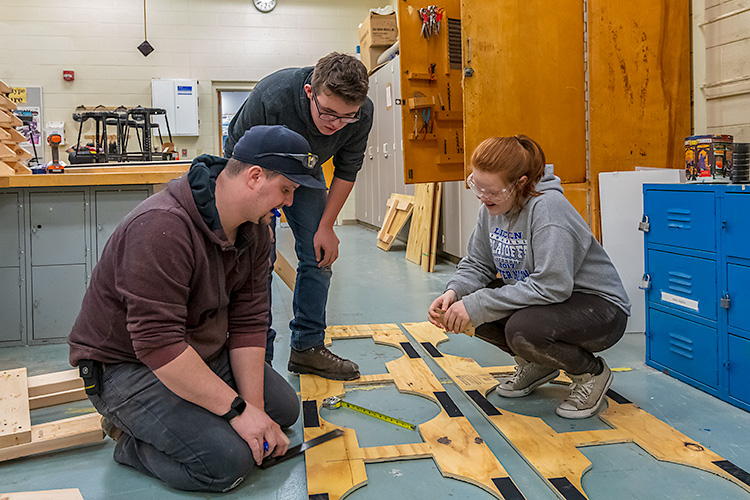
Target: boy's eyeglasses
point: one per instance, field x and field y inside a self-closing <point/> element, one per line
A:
<point x="330" y="117"/>
<point x="308" y="160"/>
<point x="491" y="196"/>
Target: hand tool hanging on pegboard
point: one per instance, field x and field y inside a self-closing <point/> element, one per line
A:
<point x="432" y="18"/>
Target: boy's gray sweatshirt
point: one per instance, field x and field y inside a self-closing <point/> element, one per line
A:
<point x="543" y="254"/>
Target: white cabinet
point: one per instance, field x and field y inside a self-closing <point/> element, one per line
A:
<point x="180" y="99"/>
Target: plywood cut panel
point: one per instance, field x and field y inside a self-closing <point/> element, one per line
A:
<point x="555" y="455"/>
<point x="336" y="468"/>
<point x="436" y="154"/>
<point x="15" y="422"/>
<point x="70" y="494"/>
<point x="528" y="62"/>
<point x="639" y="86"/>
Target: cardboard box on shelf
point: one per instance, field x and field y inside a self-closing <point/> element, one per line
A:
<point x="369" y="56"/>
<point x="378" y="30"/>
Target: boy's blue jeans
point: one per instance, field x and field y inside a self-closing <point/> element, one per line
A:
<point x="169" y="438"/>
<point x="311" y="288"/>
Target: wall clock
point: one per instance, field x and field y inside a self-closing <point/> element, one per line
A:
<point x="264" y="5"/>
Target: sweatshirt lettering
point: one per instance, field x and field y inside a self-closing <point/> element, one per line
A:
<point x="509" y="250"/>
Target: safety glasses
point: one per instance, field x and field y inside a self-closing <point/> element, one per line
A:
<point x="308" y="160"/>
<point x="330" y="117"/>
<point x="491" y="196"/>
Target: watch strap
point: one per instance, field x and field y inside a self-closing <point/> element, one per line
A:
<point x="238" y="406"/>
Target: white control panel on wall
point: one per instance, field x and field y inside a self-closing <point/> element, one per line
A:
<point x="180" y="99"/>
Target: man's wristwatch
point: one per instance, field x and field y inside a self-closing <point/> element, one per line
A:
<point x="238" y="406"/>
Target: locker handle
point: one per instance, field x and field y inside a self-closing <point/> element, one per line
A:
<point x="385" y="150"/>
<point x="370" y="152"/>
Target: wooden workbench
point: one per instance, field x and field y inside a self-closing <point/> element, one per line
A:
<point x="108" y="174"/>
<point x="53" y="228"/>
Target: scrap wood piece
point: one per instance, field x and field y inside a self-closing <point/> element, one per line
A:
<point x="400" y="208"/>
<point x="15" y="420"/>
<point x="21" y="154"/>
<point x="55" y="388"/>
<point x="5" y="88"/>
<point x="285" y="271"/>
<point x="337" y="468"/>
<point x="428" y="261"/>
<point x="6" y="170"/>
<point x="19" y="167"/>
<point x="554" y="455"/>
<point x="6" y="103"/>
<point x="56" y="435"/>
<point x="420" y="219"/>
<point x="6" y="153"/>
<point x="8" y="119"/>
<point x="68" y="494"/>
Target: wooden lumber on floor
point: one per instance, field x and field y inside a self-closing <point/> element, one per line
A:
<point x="56" y="435"/>
<point x="285" y="271"/>
<point x="19" y="394"/>
<point x="421" y="247"/>
<point x="400" y="207"/>
<point x="15" y="420"/>
<point x="428" y="264"/>
<point x="55" y="388"/>
<point x="69" y="494"/>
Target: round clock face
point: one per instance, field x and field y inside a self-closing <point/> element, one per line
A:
<point x="264" y="5"/>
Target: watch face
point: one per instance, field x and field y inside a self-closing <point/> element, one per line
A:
<point x="264" y="5"/>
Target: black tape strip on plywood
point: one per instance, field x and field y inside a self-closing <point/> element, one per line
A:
<point x="409" y="350"/>
<point x="482" y="402"/>
<point x="507" y="488"/>
<point x="310" y="414"/>
<point x="431" y="349"/>
<point x="448" y="405"/>
<point x="319" y="496"/>
<point x="618" y="398"/>
<point x="566" y="488"/>
<point x="732" y="469"/>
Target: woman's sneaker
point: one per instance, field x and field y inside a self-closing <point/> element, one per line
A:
<point x="586" y="394"/>
<point x="528" y="377"/>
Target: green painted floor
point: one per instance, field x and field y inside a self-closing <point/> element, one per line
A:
<point x="372" y="286"/>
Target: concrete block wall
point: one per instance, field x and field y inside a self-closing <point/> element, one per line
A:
<point x="221" y="43"/>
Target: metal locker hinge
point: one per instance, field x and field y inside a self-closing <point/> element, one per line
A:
<point x="725" y="300"/>
<point x="644" y="225"/>
<point x="645" y="282"/>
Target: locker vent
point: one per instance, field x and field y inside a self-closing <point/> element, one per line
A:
<point x="454" y="43"/>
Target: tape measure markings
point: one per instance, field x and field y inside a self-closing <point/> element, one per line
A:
<point x="334" y="402"/>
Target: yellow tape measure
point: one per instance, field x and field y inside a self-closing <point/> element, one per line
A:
<point x="333" y="403"/>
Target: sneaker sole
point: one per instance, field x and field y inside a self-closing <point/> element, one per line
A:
<point x="577" y="414"/>
<point x="519" y="393"/>
<point x="299" y="370"/>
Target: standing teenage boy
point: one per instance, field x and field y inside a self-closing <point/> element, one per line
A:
<point x="327" y="105"/>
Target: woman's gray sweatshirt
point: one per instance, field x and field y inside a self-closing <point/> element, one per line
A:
<point x="543" y="254"/>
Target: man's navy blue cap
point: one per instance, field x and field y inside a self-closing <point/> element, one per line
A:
<point x="282" y="150"/>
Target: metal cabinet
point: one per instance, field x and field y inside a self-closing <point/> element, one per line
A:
<point x="12" y="272"/>
<point x="58" y="260"/>
<point x="46" y="241"/>
<point x="697" y="281"/>
<point x="383" y="169"/>
<point x="110" y="206"/>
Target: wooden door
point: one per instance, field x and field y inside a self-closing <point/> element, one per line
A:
<point x="527" y="60"/>
<point x="639" y="87"/>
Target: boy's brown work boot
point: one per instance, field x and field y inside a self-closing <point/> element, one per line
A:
<point x="322" y="362"/>
<point x="110" y="429"/>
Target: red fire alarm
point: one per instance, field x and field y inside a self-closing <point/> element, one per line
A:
<point x="69" y="76"/>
